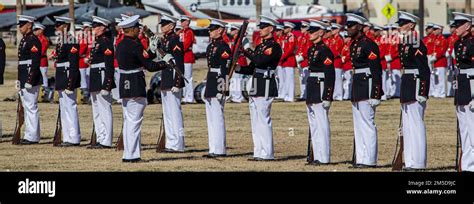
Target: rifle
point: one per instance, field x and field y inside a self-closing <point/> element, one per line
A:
<point x="20" y="119"/>
<point x="148" y="33"/>
<point x="58" y="132"/>
<point x="235" y="57"/>
<point x="397" y="162"/>
<point x="457" y="167"/>
<point x="354" y="159"/>
<point x="93" y="136"/>
<point x="309" y="153"/>
<point x="161" y="143"/>
<point x="119" y="146"/>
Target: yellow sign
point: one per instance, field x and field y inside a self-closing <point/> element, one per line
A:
<point x="389" y="11"/>
<point x="1" y="7"/>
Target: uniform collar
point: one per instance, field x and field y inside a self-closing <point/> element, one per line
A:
<point x="217" y="40"/>
<point x="469" y="35"/>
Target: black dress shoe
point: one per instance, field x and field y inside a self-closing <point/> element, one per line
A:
<point x="131" y="160"/>
<point x="362" y="166"/>
<point x="212" y="155"/>
<point x="172" y="151"/>
<point x="67" y="144"/>
<point x="27" y="142"/>
<point x="409" y="169"/>
<point x="317" y="163"/>
<point x="261" y="159"/>
<point x="98" y="146"/>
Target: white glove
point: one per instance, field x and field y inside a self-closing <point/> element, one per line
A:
<point x="68" y="92"/>
<point x="447" y="55"/>
<point x="175" y="89"/>
<point x="247" y="45"/>
<point x="326" y="104"/>
<point x="28" y="86"/>
<point x="471" y="105"/>
<point x="431" y="58"/>
<point x="388" y="58"/>
<point x="453" y="55"/>
<point x="299" y="58"/>
<point x="374" y="102"/>
<point x="168" y="57"/>
<point x="104" y="92"/>
<point x="153" y="44"/>
<point x="343" y="59"/>
<point x="421" y="99"/>
<point x="219" y="96"/>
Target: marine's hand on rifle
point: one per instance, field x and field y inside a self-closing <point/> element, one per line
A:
<point x="421" y="99"/>
<point x="168" y="58"/>
<point x="299" y="58"/>
<point x="471" y="105"/>
<point x="28" y="86"/>
<point x="175" y="89"/>
<point x="374" y="102"/>
<point x="68" y="92"/>
<point x="388" y="58"/>
<point x="154" y="41"/>
<point x="104" y="92"/>
<point x="326" y="104"/>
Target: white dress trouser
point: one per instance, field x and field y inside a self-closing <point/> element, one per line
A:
<point x="69" y="117"/>
<point x="280" y="75"/>
<point x="188" y="91"/>
<point x="347" y="85"/>
<point x="365" y="133"/>
<point x="44" y="73"/>
<point x="84" y="77"/>
<point x="338" y="86"/>
<point x="133" y="109"/>
<point x="29" y="100"/>
<point x="438" y="82"/>
<point x="289" y="84"/>
<point x="115" y="91"/>
<point x="320" y="132"/>
<point x="215" y="126"/>
<point x="262" y="135"/>
<point x="173" y="120"/>
<point x="396" y="83"/>
<point x="466" y="130"/>
<point x="303" y="74"/>
<point x="414" y="135"/>
<point x="103" y="118"/>
<point x="236" y="88"/>
<point x="386" y="84"/>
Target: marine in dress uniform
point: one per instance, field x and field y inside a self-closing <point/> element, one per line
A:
<point x="367" y="91"/>
<point x="84" y="53"/>
<point x="451" y="60"/>
<point x="236" y="83"/>
<point x="347" y="67"/>
<point x="302" y="58"/>
<point x="133" y="59"/>
<point x="464" y="98"/>
<point x="393" y="62"/>
<point x="278" y="36"/>
<point x="186" y="36"/>
<point x="218" y="59"/>
<point x="414" y="93"/>
<point x="102" y="82"/>
<point x="117" y="39"/>
<point x="288" y="63"/>
<point x="68" y="79"/>
<point x="380" y="40"/>
<point x="264" y="88"/>
<point x="29" y="78"/>
<point x="38" y="29"/>
<point x="171" y="86"/>
<point x="320" y="88"/>
<point x="335" y="43"/>
<point x="439" y="62"/>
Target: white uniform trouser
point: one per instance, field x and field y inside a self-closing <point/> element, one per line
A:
<point x="84" y="77"/>
<point x="396" y="83"/>
<point x="215" y="125"/>
<point x="69" y="117"/>
<point x="115" y="91"/>
<point x="173" y="120"/>
<point x="188" y="91"/>
<point x="133" y="109"/>
<point x="102" y="115"/>
<point x="303" y="74"/>
<point x="449" y="82"/>
<point x="386" y="84"/>
<point x="347" y="85"/>
<point x="280" y="74"/>
<point x="414" y="135"/>
<point x="438" y="82"/>
<point x="289" y="84"/>
<point x="29" y="99"/>
<point x="365" y="133"/>
<point x="262" y="135"/>
<point x="236" y="88"/>
<point x="44" y="73"/>
<point x="338" y="86"/>
<point x="320" y="132"/>
<point x="466" y="130"/>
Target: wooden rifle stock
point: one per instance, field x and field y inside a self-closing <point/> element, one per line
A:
<point x="93" y="136"/>
<point x="58" y="132"/>
<point x="20" y="119"/>
<point x="309" y="153"/>
<point x="161" y="143"/>
<point x="458" y="149"/>
<point x="397" y="162"/>
<point x="119" y="146"/>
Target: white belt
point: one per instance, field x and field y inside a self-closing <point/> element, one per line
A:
<point x="133" y="71"/>
<point x="215" y="70"/>
<point x="264" y="71"/>
<point x="411" y="71"/>
<point x="469" y="71"/>
<point x="62" y="64"/>
<point x="25" y="62"/>
<point x="317" y="74"/>
<point x="98" y="65"/>
<point x="363" y="71"/>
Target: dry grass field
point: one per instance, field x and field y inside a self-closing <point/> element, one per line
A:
<point x="290" y="128"/>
